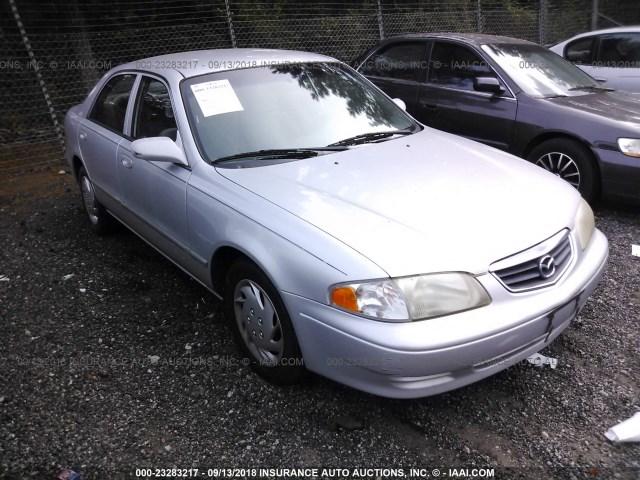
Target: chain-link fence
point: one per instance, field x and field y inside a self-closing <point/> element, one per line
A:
<point x="54" y="53"/>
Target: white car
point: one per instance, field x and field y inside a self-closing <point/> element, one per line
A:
<point x="343" y="236"/>
<point x="611" y="56"/>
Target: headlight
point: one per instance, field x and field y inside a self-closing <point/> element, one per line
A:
<point x="380" y="299"/>
<point x="629" y="146"/>
<point x="585" y="223"/>
<point x="411" y="298"/>
<point x="442" y="294"/>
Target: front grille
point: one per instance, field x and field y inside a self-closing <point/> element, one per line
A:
<point x="547" y="262"/>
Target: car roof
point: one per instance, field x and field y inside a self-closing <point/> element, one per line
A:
<point x="635" y="29"/>
<point x="477" y="39"/>
<point x="198" y="62"/>
<point x="631" y="29"/>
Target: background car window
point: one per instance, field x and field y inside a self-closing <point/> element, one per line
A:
<point x="153" y="115"/>
<point x="580" y="51"/>
<point x="111" y="106"/>
<point x="620" y="50"/>
<point x="404" y="61"/>
<point x="456" y="66"/>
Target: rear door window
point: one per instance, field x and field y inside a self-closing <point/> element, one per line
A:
<point x="404" y="61"/>
<point x="110" y="107"/>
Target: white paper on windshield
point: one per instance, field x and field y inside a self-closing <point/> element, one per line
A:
<point x="216" y="97"/>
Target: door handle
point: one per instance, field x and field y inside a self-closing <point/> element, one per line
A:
<point x="83" y="135"/>
<point x="126" y="161"/>
<point x="430" y="106"/>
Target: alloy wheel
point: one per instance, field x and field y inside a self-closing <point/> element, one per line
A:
<point x="561" y="165"/>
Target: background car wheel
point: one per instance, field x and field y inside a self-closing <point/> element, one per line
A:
<point x="100" y="220"/>
<point x="571" y="161"/>
<point x="261" y="325"/>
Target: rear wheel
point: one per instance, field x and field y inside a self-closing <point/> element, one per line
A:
<point x="571" y="161"/>
<point x="101" y="221"/>
<point x="261" y="325"/>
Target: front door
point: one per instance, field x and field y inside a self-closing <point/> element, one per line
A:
<point x="448" y="99"/>
<point x="154" y="193"/>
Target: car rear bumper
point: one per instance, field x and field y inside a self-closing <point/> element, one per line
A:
<point x="620" y="176"/>
<point x="409" y="360"/>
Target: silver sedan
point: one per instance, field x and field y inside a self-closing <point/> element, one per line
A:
<point x="342" y="236"/>
<point x="611" y="56"/>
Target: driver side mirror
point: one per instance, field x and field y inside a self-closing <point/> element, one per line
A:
<point x="159" y="149"/>
<point x="399" y="102"/>
<point x="487" y="84"/>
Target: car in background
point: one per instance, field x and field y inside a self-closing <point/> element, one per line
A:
<point x="611" y="56"/>
<point x="342" y="236"/>
<point x="519" y="97"/>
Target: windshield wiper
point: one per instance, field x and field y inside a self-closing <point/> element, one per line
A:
<point x="370" y="137"/>
<point x="591" y="87"/>
<point x="277" y="153"/>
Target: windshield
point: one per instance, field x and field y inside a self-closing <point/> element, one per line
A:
<point x="540" y="72"/>
<point x="293" y="106"/>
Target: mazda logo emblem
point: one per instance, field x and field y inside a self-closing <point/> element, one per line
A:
<point x="547" y="266"/>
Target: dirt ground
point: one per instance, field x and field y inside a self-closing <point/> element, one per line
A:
<point x="112" y="359"/>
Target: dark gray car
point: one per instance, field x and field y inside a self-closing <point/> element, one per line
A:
<point x="520" y="97"/>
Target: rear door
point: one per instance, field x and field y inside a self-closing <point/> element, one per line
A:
<point x="101" y="133"/>
<point x="397" y="69"/>
<point x="448" y="99"/>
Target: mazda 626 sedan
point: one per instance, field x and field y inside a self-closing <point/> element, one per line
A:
<point x="343" y="237"/>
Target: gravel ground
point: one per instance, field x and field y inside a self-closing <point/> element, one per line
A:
<point x="112" y="359"/>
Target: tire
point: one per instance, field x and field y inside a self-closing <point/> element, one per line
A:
<point x="100" y="220"/>
<point x="261" y="325"/>
<point x="571" y="161"/>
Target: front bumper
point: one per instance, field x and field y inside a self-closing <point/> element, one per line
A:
<point x="620" y="176"/>
<point x="417" y="359"/>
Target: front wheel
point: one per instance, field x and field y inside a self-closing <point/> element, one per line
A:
<point x="571" y="161"/>
<point x="261" y="325"/>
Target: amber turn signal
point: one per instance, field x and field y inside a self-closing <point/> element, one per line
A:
<point x="345" y="297"/>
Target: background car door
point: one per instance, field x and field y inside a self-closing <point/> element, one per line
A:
<point x="154" y="193"/>
<point x="612" y="58"/>
<point x="398" y="69"/>
<point x="101" y="133"/>
<point x="447" y="100"/>
<point x="618" y="61"/>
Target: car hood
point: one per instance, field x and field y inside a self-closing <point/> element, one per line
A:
<point x="619" y="106"/>
<point x="424" y="203"/>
